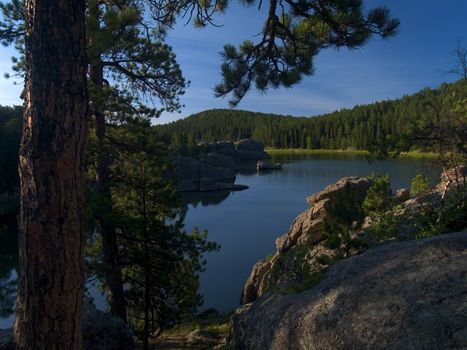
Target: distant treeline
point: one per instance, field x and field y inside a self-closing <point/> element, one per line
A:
<point x="361" y="127"/>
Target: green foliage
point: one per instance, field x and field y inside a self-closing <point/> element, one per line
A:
<point x="379" y="205"/>
<point x="291" y="37"/>
<point x="448" y="216"/>
<point x="383" y="127"/>
<point x="443" y="127"/>
<point x="306" y="280"/>
<point x="160" y="261"/>
<point x="345" y="216"/>
<point x="419" y="186"/>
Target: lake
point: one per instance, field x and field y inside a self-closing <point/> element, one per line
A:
<point x="247" y="223"/>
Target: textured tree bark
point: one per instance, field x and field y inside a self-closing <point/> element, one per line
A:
<point x="51" y="276"/>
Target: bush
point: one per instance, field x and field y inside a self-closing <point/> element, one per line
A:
<point x="420" y="186"/>
<point x="378" y="205"/>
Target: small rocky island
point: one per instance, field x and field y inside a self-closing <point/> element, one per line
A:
<point x="216" y="165"/>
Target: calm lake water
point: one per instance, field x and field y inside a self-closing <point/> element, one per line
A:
<point x="247" y="223"/>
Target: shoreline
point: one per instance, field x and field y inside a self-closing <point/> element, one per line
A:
<point x="412" y="154"/>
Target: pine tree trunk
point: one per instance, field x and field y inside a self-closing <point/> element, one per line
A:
<point x="51" y="276"/>
<point x="113" y="274"/>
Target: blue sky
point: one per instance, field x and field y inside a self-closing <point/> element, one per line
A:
<point x="383" y="69"/>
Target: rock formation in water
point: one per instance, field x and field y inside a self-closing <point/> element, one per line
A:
<point x="306" y="231"/>
<point x="410" y="295"/>
<point x="215" y="169"/>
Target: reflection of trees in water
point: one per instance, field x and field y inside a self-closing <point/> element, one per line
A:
<point x="205" y="198"/>
<point x="8" y="264"/>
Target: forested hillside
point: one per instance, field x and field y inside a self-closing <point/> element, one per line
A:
<point x="360" y="127"/>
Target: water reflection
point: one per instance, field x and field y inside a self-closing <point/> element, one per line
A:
<point x="205" y="198"/>
<point x="244" y="223"/>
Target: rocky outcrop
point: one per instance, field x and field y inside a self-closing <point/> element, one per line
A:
<point x="218" y="160"/>
<point x="215" y="169"/>
<point x="251" y="150"/>
<point x="196" y="175"/>
<point x="225" y="148"/>
<point x="410" y="295"/>
<point x="100" y="331"/>
<point x="301" y="245"/>
<point x="266" y="165"/>
<point x="358" y="186"/>
<point x="452" y="178"/>
<point x="402" y="195"/>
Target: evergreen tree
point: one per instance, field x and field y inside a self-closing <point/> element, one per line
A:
<point x="139" y="66"/>
<point x="378" y="205"/>
<point x="160" y="262"/>
<point x="345" y="217"/>
<point x="386" y="127"/>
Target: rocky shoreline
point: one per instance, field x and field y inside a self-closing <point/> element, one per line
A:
<point x="409" y="295"/>
<point x="215" y="168"/>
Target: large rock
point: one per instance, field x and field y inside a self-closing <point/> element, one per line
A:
<point x="215" y="170"/>
<point x="402" y="195"/>
<point x="251" y="150"/>
<point x="218" y="160"/>
<point x="100" y="331"/>
<point x="357" y="185"/>
<point x="214" y="173"/>
<point x="410" y="295"/>
<point x="452" y="178"/>
<point x="305" y="234"/>
<point x="225" y="148"/>
<point x="187" y="168"/>
<point x="192" y="173"/>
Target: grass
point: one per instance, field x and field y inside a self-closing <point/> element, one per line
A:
<point x="218" y="328"/>
<point x="219" y="324"/>
<point x="411" y="154"/>
<point x="313" y="151"/>
<point x="179" y="337"/>
<point x="418" y="154"/>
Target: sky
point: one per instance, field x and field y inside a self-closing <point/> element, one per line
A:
<point x="383" y="69"/>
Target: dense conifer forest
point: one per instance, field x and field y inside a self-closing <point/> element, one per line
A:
<point x="361" y="127"/>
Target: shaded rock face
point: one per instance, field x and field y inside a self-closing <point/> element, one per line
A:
<point x="305" y="231"/>
<point x="410" y="295"/>
<point x="196" y="175"/>
<point x="225" y="148"/>
<point x="218" y="160"/>
<point x="358" y="185"/>
<point x="251" y="150"/>
<point x="100" y="331"/>
<point x="402" y="195"/>
<point x="215" y="170"/>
